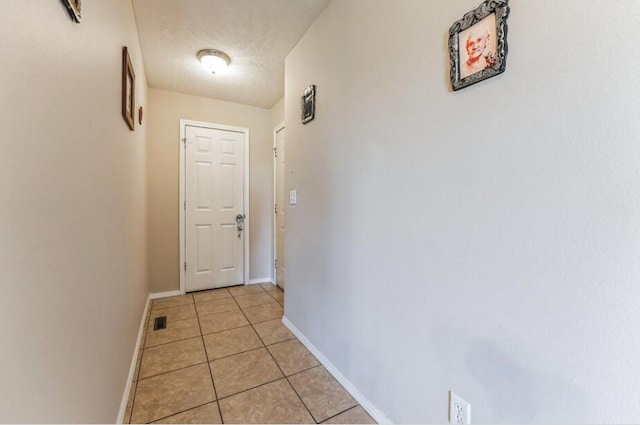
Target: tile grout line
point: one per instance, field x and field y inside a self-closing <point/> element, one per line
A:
<point x="283" y="374"/>
<point x="253" y="388"/>
<point x="164" y="373"/>
<point x="345" y="411"/>
<point x="281" y="371"/>
<point x="224" y="330"/>
<point x="274" y="380"/>
<point x="301" y="400"/>
<point x="137" y="377"/>
<point x="319" y="365"/>
<point x="172" y="342"/>
<point x="206" y="354"/>
<point x="294" y="389"/>
<point x="162" y="307"/>
<point x="182" y="411"/>
<point x="262" y="321"/>
<point x="197" y="317"/>
<point x="218" y="358"/>
<point x="171" y="371"/>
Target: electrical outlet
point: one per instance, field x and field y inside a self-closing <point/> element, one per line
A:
<point x="459" y="410"/>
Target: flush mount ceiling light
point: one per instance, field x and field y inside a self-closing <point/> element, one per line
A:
<point x="214" y="61"/>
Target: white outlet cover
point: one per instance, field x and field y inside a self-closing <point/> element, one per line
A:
<point x="459" y="410"/>
<point x="293" y="197"/>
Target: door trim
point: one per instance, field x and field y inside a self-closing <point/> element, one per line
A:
<point x="274" y="229"/>
<point x="182" y="223"/>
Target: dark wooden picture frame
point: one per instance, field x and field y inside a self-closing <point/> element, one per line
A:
<point x="478" y="44"/>
<point x="75" y="9"/>
<point x="128" y="89"/>
<point x="308" y="104"/>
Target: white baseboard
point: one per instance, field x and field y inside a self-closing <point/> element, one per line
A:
<point x="261" y="280"/>
<point x="158" y="295"/>
<point x="366" y="404"/>
<point x="132" y="368"/>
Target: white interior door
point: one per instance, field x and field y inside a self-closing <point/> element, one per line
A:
<point x="214" y="208"/>
<point x="280" y="206"/>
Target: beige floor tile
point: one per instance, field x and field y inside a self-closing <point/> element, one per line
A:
<point x="237" y="291"/>
<point x="175" y="331"/>
<point x="216" y="306"/>
<point x="356" y="415"/>
<point x="207" y="414"/>
<point x="251" y="300"/>
<point x="263" y="313"/>
<point x="170" y="393"/>
<point x="321" y="393"/>
<point x="127" y="412"/>
<point x="173" y="314"/>
<point x="172" y="356"/>
<point x="274" y="403"/>
<point x="273" y="331"/>
<point x="269" y="287"/>
<point x="172" y="301"/>
<point x="222" y="322"/>
<point x="226" y="343"/>
<point x="292" y="356"/>
<point x="214" y="294"/>
<point x="277" y="295"/>
<point x="244" y="371"/>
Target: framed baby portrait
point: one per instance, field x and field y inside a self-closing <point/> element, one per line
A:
<point x="478" y="44"/>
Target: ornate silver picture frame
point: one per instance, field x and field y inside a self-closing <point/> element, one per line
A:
<point x="308" y="104"/>
<point x="478" y="44"/>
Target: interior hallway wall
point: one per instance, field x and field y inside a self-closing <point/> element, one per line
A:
<point x="485" y="241"/>
<point x="163" y="156"/>
<point x="72" y="191"/>
<point x="277" y="113"/>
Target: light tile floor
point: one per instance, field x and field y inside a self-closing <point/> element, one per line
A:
<point x="226" y="357"/>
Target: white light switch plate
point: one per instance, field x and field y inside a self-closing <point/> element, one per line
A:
<point x="293" y="197"/>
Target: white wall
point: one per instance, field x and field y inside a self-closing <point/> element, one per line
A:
<point x="163" y="154"/>
<point x="277" y="113"/>
<point x="484" y="241"/>
<point x="72" y="196"/>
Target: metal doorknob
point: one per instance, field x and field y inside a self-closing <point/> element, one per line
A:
<point x="239" y="218"/>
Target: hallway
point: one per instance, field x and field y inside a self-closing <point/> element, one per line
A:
<point x="226" y="357"/>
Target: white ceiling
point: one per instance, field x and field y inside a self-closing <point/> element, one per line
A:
<point x="256" y="34"/>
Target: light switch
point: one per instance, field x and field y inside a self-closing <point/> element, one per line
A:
<point x="293" y="197"/>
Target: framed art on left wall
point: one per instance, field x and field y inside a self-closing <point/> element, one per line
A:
<point x="128" y="89"/>
<point x="75" y="9"/>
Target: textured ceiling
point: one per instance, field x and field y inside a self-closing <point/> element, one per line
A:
<point x="256" y="34"/>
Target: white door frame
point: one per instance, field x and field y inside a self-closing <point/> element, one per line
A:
<point x="276" y="130"/>
<point x="183" y="133"/>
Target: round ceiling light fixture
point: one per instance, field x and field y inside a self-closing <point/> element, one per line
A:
<point x="213" y="60"/>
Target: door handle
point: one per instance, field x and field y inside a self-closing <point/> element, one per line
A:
<point x="239" y="223"/>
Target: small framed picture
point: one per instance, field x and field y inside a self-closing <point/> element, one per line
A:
<point x="75" y="8"/>
<point x="309" y="104"/>
<point x="478" y="44"/>
<point x="128" y="89"/>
